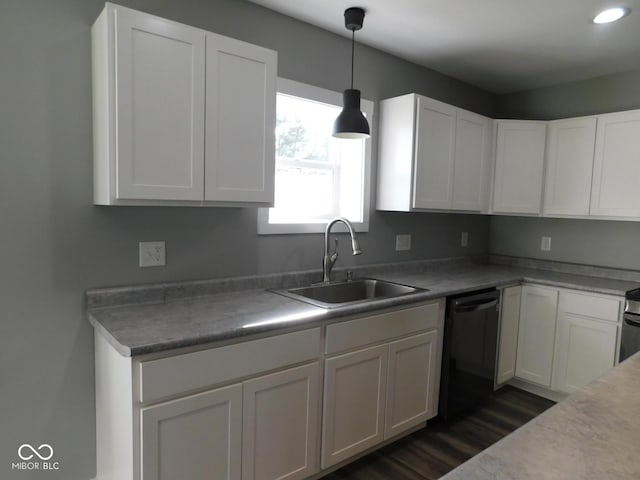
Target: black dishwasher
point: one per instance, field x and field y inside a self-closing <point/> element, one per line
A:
<point x="469" y="351"/>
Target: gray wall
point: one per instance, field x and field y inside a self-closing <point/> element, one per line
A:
<point x="592" y="242"/>
<point x="602" y="243"/>
<point x="54" y="244"/>
<point x="610" y="93"/>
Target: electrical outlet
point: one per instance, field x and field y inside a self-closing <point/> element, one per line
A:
<point x="152" y="254"/>
<point x="464" y="239"/>
<point x="403" y="242"/>
<point x="545" y="244"/>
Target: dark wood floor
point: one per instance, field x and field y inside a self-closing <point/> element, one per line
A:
<point x="433" y="451"/>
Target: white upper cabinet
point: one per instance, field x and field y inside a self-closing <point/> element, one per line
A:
<point x="520" y="149"/>
<point x="144" y="148"/>
<point x="472" y="161"/>
<point x="570" y="145"/>
<point x="433" y="162"/>
<point x="156" y="84"/>
<point x="241" y="121"/>
<point x="433" y="156"/>
<point x="616" y="168"/>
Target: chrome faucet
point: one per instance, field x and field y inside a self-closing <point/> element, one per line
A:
<point x="329" y="260"/>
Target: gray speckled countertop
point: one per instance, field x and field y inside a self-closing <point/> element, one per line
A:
<point x="592" y="434"/>
<point x="165" y="319"/>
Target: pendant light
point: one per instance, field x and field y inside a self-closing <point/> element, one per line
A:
<point x="351" y="122"/>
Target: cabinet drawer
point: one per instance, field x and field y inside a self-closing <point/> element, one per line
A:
<point x="169" y="376"/>
<point x="378" y="328"/>
<point x="590" y="305"/>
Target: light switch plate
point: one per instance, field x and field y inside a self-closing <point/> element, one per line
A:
<point x="403" y="243"/>
<point x="545" y="244"/>
<point x="152" y="254"/>
<point x="464" y="239"/>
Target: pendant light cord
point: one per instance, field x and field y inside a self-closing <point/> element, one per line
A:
<point x="353" y="42"/>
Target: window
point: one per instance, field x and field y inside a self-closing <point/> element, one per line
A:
<point x="318" y="177"/>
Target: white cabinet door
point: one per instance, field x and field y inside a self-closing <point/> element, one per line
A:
<point x="472" y="152"/>
<point x="570" y="145"/>
<point x="160" y="68"/>
<point x="509" y="321"/>
<point x="354" y="403"/>
<point x="196" y="437"/>
<point x="585" y="349"/>
<point x="586" y="338"/>
<point x="520" y="147"/>
<point x="536" y="334"/>
<point x="412" y="377"/>
<point x="281" y="418"/>
<point x="435" y="144"/>
<point x="240" y="113"/>
<point x="616" y="174"/>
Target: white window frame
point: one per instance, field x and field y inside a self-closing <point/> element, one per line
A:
<point x="303" y="90"/>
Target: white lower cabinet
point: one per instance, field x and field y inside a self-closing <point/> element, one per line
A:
<point x="245" y="411"/>
<point x="264" y="428"/>
<point x="280" y="425"/>
<point x="354" y="401"/>
<point x="412" y="377"/>
<point x="197" y="437"/>
<point x="585" y="341"/>
<point x="252" y="410"/>
<point x="566" y="338"/>
<point x="536" y="334"/>
<point x="509" y="321"/>
<point x="376" y="392"/>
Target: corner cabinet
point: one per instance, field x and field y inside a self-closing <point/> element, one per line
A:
<point x="566" y="338"/>
<point x="536" y="334"/>
<point x="181" y="116"/>
<point x="570" y="145"/>
<point x="433" y="156"/>
<point x="508" y="344"/>
<point x="519" y="167"/>
<point x="586" y="339"/>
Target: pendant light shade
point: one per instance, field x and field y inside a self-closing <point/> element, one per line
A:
<point x="351" y="123"/>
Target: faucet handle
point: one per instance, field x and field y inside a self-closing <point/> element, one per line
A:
<point x="334" y="255"/>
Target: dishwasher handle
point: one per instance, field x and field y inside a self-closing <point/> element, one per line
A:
<point x="631" y="319"/>
<point x="475" y="306"/>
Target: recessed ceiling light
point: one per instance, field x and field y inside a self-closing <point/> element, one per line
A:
<point x="611" y="15"/>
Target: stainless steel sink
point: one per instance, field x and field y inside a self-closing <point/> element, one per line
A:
<point x="336" y="294"/>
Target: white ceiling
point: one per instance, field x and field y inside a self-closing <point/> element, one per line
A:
<point x="499" y="45"/>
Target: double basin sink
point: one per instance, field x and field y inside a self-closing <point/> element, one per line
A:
<point x="337" y="294"/>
